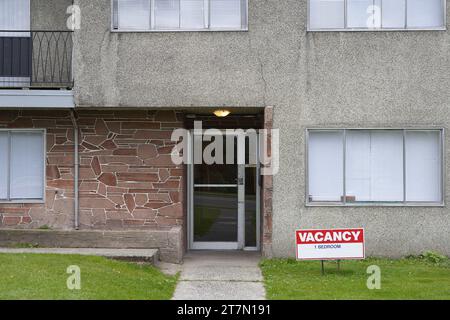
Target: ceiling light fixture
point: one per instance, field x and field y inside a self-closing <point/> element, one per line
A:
<point x="222" y="113"/>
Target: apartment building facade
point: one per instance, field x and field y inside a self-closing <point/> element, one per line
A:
<point x="355" y="90"/>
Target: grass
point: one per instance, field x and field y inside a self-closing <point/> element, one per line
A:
<point x="409" y="278"/>
<point x="204" y="218"/>
<point x="44" y="277"/>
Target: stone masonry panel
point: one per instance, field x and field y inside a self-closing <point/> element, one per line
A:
<point x="126" y="177"/>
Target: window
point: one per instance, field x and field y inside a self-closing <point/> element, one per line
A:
<point x="173" y="15"/>
<point x="14" y="15"/>
<point x="354" y="166"/>
<point x="22" y="163"/>
<point x="376" y="14"/>
<point x="15" y="43"/>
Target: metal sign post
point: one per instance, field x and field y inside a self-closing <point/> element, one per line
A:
<point x="330" y="244"/>
<point x="322" y="264"/>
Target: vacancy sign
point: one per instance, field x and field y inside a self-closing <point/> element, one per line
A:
<point x="330" y="244"/>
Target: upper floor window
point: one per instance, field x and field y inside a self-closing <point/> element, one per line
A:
<point x="387" y="166"/>
<point x="14" y="16"/>
<point x="22" y="163"/>
<point x="376" y="15"/>
<point x="176" y="15"/>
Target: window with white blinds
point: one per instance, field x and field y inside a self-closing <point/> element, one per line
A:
<point x="173" y="15"/>
<point x="376" y="14"/>
<point x="14" y="16"/>
<point x="375" y="166"/>
<point x="22" y="163"/>
<point x="134" y="14"/>
<point x="326" y="166"/>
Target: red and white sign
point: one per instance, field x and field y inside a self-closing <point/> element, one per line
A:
<point x="330" y="244"/>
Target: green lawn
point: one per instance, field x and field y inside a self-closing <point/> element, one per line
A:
<point x="204" y="218"/>
<point x="411" y="278"/>
<point x="43" y="276"/>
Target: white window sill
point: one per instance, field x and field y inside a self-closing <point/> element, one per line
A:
<point x="41" y="201"/>
<point x="380" y="204"/>
<point x="376" y="30"/>
<point x="178" y="30"/>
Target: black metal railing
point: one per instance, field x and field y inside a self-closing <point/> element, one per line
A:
<point x="36" y="59"/>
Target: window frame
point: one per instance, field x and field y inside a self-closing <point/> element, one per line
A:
<point x="403" y="203"/>
<point x="381" y="29"/>
<point x="20" y="32"/>
<point x="115" y="19"/>
<point x="44" y="175"/>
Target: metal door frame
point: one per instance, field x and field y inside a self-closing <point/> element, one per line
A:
<point x="240" y="185"/>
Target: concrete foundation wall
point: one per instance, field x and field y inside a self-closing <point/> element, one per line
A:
<point x="167" y="241"/>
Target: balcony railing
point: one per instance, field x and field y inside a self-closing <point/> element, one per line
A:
<point x="36" y="59"/>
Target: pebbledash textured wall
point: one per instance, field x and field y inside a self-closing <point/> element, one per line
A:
<point x="127" y="178"/>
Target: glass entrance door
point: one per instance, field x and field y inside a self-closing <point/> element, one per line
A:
<point x="225" y="194"/>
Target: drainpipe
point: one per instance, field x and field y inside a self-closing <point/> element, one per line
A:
<point x="76" y="169"/>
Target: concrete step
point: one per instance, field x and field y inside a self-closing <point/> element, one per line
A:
<point x="150" y="256"/>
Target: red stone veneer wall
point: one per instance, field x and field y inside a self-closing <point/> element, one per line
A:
<point x="267" y="192"/>
<point x="58" y="209"/>
<point x="127" y="178"/>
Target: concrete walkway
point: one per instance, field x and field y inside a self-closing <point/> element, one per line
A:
<point x="138" y="255"/>
<point x="220" y="275"/>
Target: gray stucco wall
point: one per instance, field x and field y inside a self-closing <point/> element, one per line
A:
<point x="49" y="14"/>
<point x="332" y="79"/>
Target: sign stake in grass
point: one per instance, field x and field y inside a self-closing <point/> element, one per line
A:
<point x="414" y="278"/>
<point x="322" y="263"/>
<point x="330" y="244"/>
